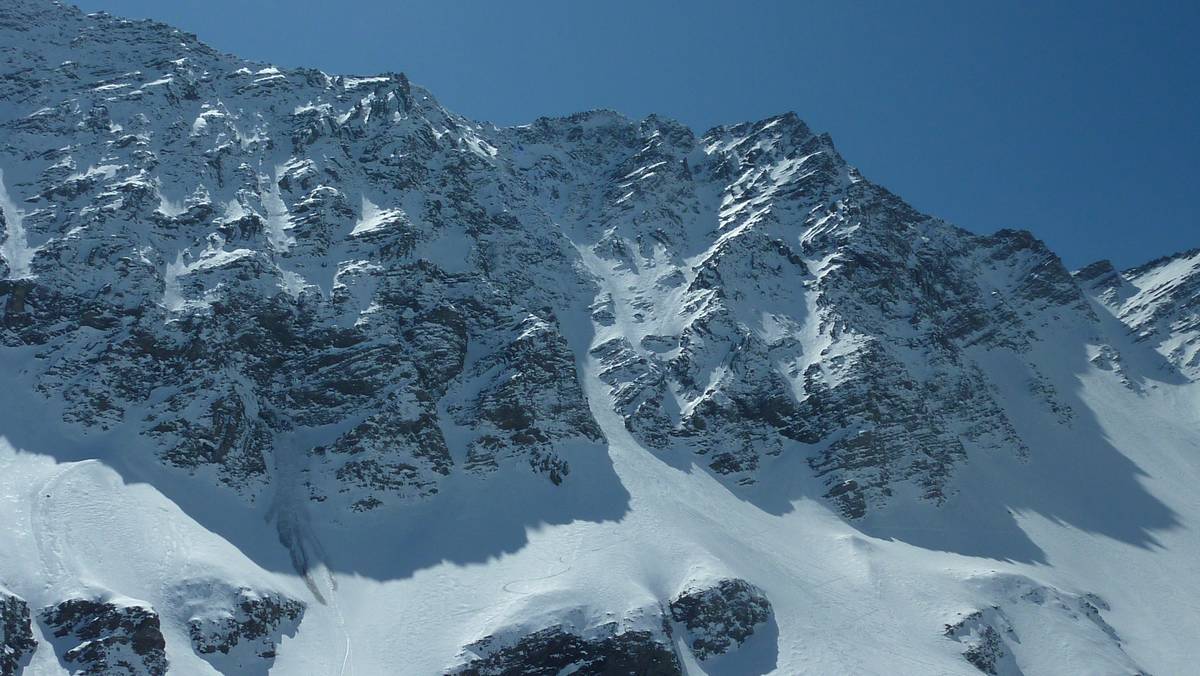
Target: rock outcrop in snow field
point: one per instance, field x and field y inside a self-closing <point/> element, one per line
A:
<point x="720" y="617"/>
<point x="16" y="634"/>
<point x="554" y="651"/>
<point x="1026" y="613"/>
<point x="457" y="367"/>
<point x="236" y="630"/>
<point x="715" y="618"/>
<point x="97" y="636"/>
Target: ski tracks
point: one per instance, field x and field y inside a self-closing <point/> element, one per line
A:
<point x="331" y="593"/>
<point x="51" y="546"/>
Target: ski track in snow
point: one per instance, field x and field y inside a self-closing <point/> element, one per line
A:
<point x="331" y="589"/>
<point x="52" y="547"/>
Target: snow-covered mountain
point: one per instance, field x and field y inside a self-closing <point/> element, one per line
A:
<point x="307" y="374"/>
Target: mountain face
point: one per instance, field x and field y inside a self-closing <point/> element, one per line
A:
<point x="299" y="360"/>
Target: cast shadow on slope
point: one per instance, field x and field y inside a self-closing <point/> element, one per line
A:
<point x="473" y="519"/>
<point x="757" y="656"/>
<point x="1074" y="475"/>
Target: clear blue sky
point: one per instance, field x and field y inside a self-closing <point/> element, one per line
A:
<point x="1076" y="120"/>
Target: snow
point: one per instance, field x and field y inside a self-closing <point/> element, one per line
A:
<point x="168" y="207"/>
<point x="199" y="125"/>
<point x="216" y="258"/>
<point x="1157" y="282"/>
<point x="278" y="220"/>
<point x="81" y="521"/>
<point x="356" y="82"/>
<point x="476" y="144"/>
<point x="234" y="211"/>
<point x="641" y="171"/>
<point x="292" y="283"/>
<point x="310" y="107"/>
<point x="208" y="259"/>
<point x="372" y="218"/>
<point x="15" y="250"/>
<point x="107" y="171"/>
<point x="1157" y="302"/>
<point x="172" y="297"/>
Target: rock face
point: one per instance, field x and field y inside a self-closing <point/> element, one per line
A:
<point x="336" y="289"/>
<point x="720" y="617"/>
<point x="1027" y="612"/>
<point x="105" y="637"/>
<point x="237" y="630"/>
<point x="16" y="634"/>
<point x="526" y="401"/>
<point x="281" y="275"/>
<point x="556" y="651"/>
<point x="717" y="619"/>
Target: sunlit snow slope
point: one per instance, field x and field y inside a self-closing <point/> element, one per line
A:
<point x="305" y="374"/>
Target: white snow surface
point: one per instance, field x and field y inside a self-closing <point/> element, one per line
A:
<point x="15" y="250"/>
<point x="373" y="218"/>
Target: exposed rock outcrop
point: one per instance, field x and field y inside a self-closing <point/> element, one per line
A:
<point x="720" y="617"/>
<point x="237" y="630"/>
<point x="554" y="650"/>
<point x="1025" y="614"/>
<point x="102" y="637"/>
<point x="16" y="634"/>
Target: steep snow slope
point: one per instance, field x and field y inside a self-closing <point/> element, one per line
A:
<point x="1159" y="301"/>
<point x="308" y="374"/>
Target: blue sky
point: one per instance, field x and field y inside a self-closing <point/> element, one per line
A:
<point x="1076" y="120"/>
